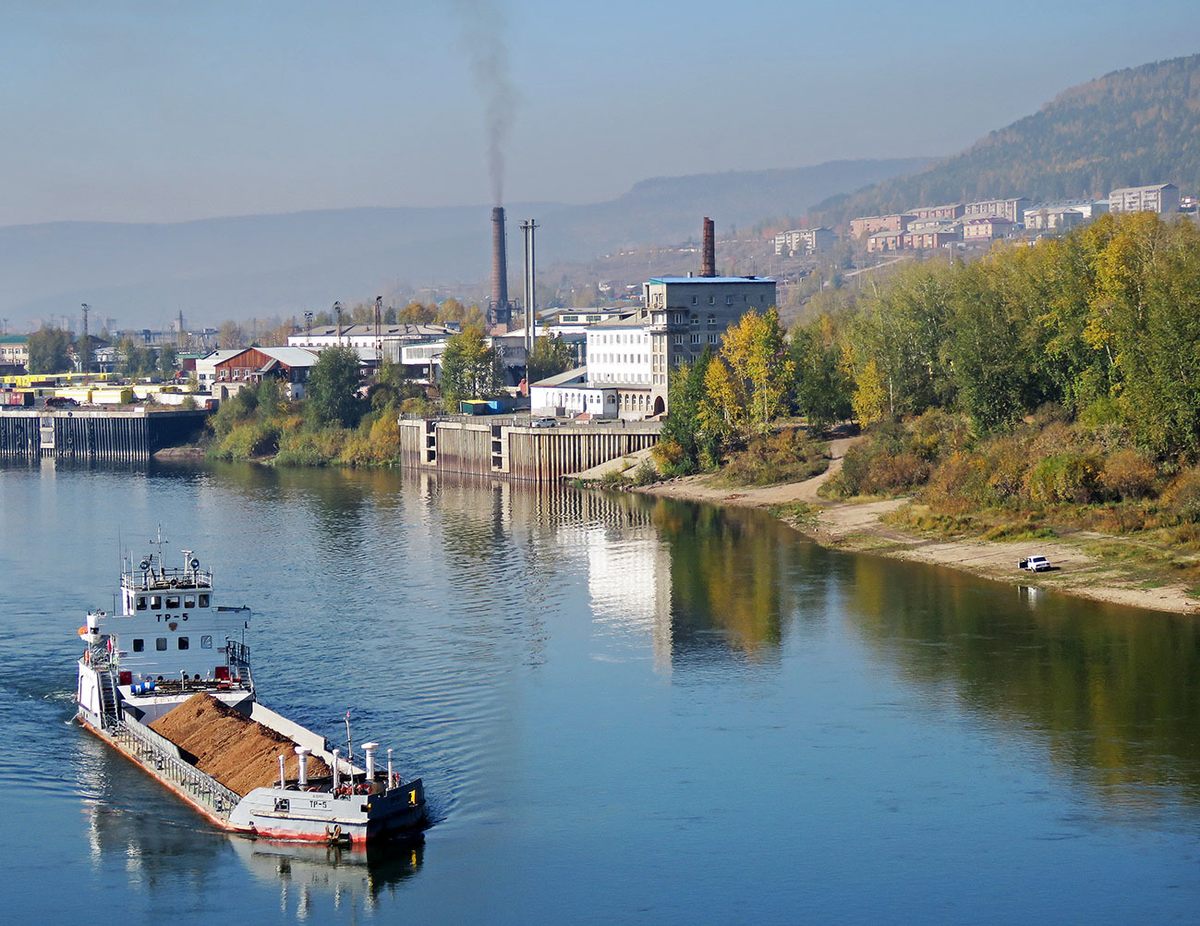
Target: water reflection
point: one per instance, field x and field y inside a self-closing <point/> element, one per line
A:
<point x="1113" y="692"/>
<point x="729" y="592"/>
<point x="346" y="877"/>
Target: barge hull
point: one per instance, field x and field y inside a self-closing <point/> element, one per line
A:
<point x="255" y="814"/>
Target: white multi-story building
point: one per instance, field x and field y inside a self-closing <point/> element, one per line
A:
<point x="985" y="231"/>
<point x="1162" y="198"/>
<point x="806" y="241"/>
<point x="1047" y="218"/>
<point x="14" y="350"/>
<point x="1011" y="209"/>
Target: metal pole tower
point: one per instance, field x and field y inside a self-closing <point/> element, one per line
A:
<point x="337" y="311"/>
<point x="87" y="347"/>
<point x="528" y="229"/>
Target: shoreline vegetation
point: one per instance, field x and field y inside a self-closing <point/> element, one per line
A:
<point x="1041" y="399"/>
<point x="1087" y="564"/>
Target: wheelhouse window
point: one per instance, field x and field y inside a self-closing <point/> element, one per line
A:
<point x="189" y="602"/>
<point x="172" y="601"/>
<point x="156" y="601"/>
<point x="160" y="644"/>
<point x="206" y="642"/>
<point x="139" y="646"/>
<point x="183" y="643"/>
<point x="141" y="602"/>
<point x="204" y="601"/>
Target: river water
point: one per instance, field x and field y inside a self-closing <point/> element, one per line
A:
<point x="625" y="711"/>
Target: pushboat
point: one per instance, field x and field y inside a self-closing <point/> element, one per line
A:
<point x="168" y="683"/>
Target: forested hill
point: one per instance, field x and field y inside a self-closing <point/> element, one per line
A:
<point x="1129" y="128"/>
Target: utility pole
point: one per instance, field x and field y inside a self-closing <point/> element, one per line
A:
<point x="87" y="348"/>
<point x="337" y="311"/>
<point x="378" y="332"/>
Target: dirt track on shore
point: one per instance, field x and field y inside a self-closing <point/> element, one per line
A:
<point x="857" y="526"/>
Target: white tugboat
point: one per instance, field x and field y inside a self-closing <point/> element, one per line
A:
<point x="168" y="683"/>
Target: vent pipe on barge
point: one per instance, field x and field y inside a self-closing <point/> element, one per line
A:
<point x="302" y="763"/>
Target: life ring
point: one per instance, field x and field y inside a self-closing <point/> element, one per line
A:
<point x="87" y="657"/>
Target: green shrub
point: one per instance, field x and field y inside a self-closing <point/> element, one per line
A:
<point x="1181" y="501"/>
<point x="937" y="433"/>
<point x="249" y="440"/>
<point x="1129" y="474"/>
<point x="855" y="465"/>
<point x="613" y="479"/>
<point x="1065" y="477"/>
<point x="672" y="458"/>
<point x="789" y="455"/>
<point x="420" y="406"/>
<point x="645" y="474"/>
<point x="304" y="447"/>
<point x="881" y="464"/>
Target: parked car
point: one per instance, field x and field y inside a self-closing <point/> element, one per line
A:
<point x="1035" y="564"/>
<point x="543" y="423"/>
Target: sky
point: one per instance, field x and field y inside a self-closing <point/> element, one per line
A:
<point x="165" y="111"/>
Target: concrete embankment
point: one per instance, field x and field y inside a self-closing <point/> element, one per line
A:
<point x="95" y="434"/>
<point x="508" y="448"/>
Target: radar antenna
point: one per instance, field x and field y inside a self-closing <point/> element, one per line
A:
<point x="159" y="541"/>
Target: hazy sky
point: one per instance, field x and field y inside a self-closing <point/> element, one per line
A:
<point x="154" y="110"/>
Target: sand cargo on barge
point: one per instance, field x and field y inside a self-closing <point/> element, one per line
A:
<point x="168" y="682"/>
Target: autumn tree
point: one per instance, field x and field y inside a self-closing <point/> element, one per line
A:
<point x="551" y="356"/>
<point x="166" y="360"/>
<point x="49" y="351"/>
<point x="416" y="313"/>
<point x="231" y="335"/>
<point x="333" y="385"/>
<point x="748" y="385"/>
<point x="391" y="387"/>
<point x="686" y="444"/>
<point x="821" y="390"/>
<point x="452" y="311"/>
<point x="470" y="368"/>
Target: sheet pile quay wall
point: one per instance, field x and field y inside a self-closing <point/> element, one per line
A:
<point x="501" y="448"/>
<point x="94" y="434"/>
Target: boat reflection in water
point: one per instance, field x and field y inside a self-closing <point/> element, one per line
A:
<point x="158" y="850"/>
<point x="311" y="875"/>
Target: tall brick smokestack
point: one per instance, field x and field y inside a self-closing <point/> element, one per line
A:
<point x="708" y="253"/>
<point x="500" y="310"/>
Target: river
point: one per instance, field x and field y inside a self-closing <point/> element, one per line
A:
<point x="625" y="710"/>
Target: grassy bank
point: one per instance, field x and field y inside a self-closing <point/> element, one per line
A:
<point x="1047" y="477"/>
<point x="258" y="425"/>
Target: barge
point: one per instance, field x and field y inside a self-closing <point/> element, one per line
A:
<point x="168" y="682"/>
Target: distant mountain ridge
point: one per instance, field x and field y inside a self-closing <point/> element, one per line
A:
<point x="212" y="269"/>
<point x="1132" y="127"/>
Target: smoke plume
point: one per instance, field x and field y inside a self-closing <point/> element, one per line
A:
<point x="484" y="28"/>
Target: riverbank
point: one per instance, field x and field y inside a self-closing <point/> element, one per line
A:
<point x="859" y="527"/>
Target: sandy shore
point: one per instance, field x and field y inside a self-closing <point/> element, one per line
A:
<point x="857" y="526"/>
